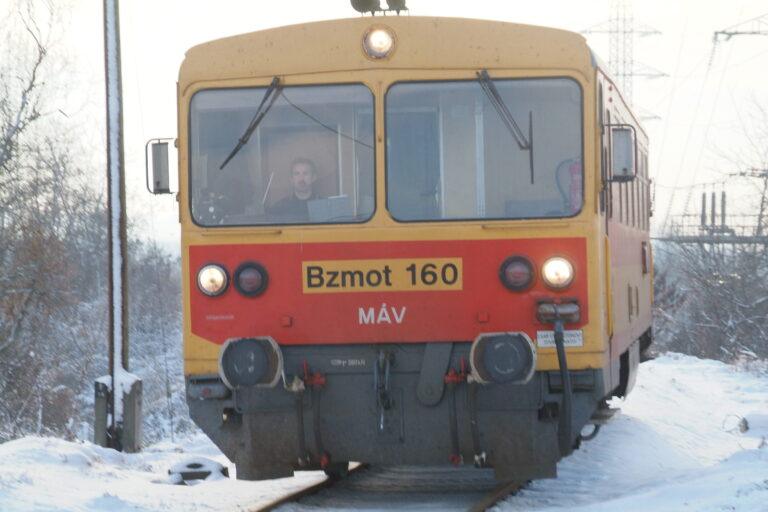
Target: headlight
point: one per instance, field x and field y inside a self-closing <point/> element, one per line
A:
<point x="250" y="279"/>
<point x="379" y="42"/>
<point x="516" y="273"/>
<point x="212" y="280"/>
<point x="557" y="272"/>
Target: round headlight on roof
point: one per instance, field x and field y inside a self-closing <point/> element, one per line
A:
<point x="379" y="42"/>
<point x="557" y="272"/>
<point x="212" y="280"/>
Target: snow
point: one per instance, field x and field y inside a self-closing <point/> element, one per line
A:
<point x="676" y="446"/>
<point x="679" y="444"/>
<point x="51" y="475"/>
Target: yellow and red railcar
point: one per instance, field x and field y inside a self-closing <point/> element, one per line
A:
<point x="470" y="277"/>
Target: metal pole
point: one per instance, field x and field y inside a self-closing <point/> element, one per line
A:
<point x="763" y="198"/>
<point x="722" y="208"/>
<point x="118" y="274"/>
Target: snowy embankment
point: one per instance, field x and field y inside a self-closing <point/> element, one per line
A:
<point x="677" y="446"/>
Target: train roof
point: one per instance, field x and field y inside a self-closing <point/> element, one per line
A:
<point x="323" y="46"/>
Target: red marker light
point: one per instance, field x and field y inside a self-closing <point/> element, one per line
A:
<point x="251" y="279"/>
<point x="516" y="273"/>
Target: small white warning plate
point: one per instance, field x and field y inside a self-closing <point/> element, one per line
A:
<point x="546" y="339"/>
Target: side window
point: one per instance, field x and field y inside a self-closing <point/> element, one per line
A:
<point x="646" y="210"/>
<point x="610" y="187"/>
<point x="635" y="216"/>
<point x="628" y="206"/>
<point x="624" y="202"/>
<point x="604" y="153"/>
<point x="646" y="205"/>
<point x="620" y="195"/>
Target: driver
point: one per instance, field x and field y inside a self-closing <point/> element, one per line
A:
<point x="294" y="207"/>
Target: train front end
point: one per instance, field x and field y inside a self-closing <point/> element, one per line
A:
<point x="442" y="242"/>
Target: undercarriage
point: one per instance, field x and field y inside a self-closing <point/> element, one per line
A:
<point x="393" y="404"/>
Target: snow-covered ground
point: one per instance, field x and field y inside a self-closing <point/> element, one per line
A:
<point x="678" y="446"/>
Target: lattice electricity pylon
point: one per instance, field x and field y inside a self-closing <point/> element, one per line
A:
<point x="621" y="28"/>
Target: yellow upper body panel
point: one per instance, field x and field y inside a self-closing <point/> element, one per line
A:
<point x="426" y="48"/>
<point x="421" y="43"/>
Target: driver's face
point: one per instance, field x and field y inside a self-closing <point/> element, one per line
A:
<point x="302" y="178"/>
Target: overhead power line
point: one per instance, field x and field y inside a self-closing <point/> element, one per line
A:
<point x="755" y="27"/>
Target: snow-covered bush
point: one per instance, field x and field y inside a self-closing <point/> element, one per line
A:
<point x="712" y="300"/>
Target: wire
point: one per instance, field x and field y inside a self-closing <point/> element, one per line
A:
<point x="692" y="127"/>
<point x="674" y="89"/>
<point x="694" y="185"/>
<point x="707" y="127"/>
<point x="334" y="130"/>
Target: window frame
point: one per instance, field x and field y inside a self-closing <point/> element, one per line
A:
<point x="582" y="132"/>
<point x="190" y="145"/>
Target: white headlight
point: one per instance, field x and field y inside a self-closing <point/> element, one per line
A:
<point x="557" y="272"/>
<point x="212" y="280"/>
<point x="379" y="42"/>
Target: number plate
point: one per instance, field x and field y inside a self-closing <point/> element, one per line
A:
<point x="546" y="339"/>
<point x="395" y="275"/>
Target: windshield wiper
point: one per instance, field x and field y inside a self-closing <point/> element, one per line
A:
<point x="270" y="96"/>
<point x="523" y="142"/>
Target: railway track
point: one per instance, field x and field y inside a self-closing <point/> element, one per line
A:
<point x="400" y="488"/>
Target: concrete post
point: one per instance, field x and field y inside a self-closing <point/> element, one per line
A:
<point x="132" y="431"/>
<point x="101" y="413"/>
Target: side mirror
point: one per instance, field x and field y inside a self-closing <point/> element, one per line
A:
<point x="623" y="149"/>
<point x="160" y="169"/>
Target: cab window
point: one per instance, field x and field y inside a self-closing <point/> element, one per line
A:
<point x="453" y="153"/>
<point x="309" y="160"/>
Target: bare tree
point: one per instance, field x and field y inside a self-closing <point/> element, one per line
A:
<point x="42" y="206"/>
<point x="712" y="301"/>
<point x="53" y="274"/>
<point x="712" y="298"/>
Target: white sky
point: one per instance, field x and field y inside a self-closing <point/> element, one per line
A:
<point x="703" y="109"/>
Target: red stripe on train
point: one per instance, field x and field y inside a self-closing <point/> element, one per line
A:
<point x="292" y="317"/>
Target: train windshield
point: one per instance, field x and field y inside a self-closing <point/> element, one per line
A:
<point x="457" y="150"/>
<point x="308" y="160"/>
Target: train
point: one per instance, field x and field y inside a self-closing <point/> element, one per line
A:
<point x="408" y="240"/>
